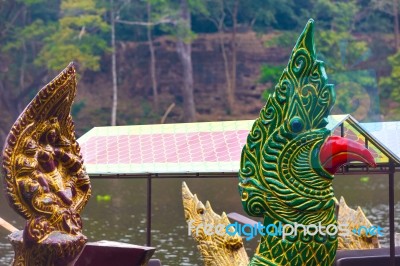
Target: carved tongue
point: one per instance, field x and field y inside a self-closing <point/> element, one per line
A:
<point x="337" y="151"/>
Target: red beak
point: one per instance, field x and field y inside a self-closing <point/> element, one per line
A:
<point x="337" y="151"/>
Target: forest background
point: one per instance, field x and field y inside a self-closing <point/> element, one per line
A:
<point x="171" y="61"/>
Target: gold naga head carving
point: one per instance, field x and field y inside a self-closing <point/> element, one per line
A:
<point x="44" y="175"/>
<point x="215" y="245"/>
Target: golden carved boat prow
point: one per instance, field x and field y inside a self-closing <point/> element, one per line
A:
<point x="355" y="219"/>
<point x="44" y="176"/>
<point x="216" y="248"/>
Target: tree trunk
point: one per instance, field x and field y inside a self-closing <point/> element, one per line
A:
<point x="22" y="75"/>
<point x="228" y="80"/>
<point x="152" y="60"/>
<point x="184" y="52"/>
<point x="114" y="69"/>
<point x="9" y="111"/>
<point x="396" y="24"/>
<point x="231" y="95"/>
<point x="23" y="64"/>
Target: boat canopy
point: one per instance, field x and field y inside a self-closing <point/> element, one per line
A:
<point x="208" y="148"/>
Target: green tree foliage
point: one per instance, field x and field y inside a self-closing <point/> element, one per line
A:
<point x="342" y="53"/>
<point x="258" y="15"/>
<point x="375" y="16"/>
<point x="21" y="31"/>
<point x="77" y="36"/>
<point x="264" y="15"/>
<point x="355" y="38"/>
<point x="389" y="85"/>
<point x="23" y="25"/>
<point x="270" y="75"/>
<point x="169" y="12"/>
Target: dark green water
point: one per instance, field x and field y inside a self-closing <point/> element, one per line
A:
<point x="123" y="216"/>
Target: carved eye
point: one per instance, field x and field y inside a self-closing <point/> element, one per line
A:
<point x="296" y="124"/>
<point x="200" y="208"/>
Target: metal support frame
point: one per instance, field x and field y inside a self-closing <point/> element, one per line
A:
<point x="350" y="169"/>
<point x="148" y="226"/>
<point x="391" y="212"/>
<point x="149" y="178"/>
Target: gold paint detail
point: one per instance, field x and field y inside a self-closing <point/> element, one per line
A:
<point x="355" y="219"/>
<point x="45" y="179"/>
<point x="215" y="249"/>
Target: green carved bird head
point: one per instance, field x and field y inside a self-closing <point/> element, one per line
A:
<point x="288" y="162"/>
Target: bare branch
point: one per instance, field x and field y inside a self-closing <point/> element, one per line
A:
<point x="147" y="24"/>
<point x="11" y="21"/>
<point x="169" y="109"/>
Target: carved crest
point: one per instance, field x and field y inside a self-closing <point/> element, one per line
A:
<point x="217" y="248"/>
<point x="288" y="163"/>
<point x="44" y="176"/>
<point x="281" y="177"/>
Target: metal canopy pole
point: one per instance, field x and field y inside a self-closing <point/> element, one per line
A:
<point x="148" y="229"/>
<point x="391" y="212"/>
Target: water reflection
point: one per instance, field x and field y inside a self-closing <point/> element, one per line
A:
<point x="117" y="212"/>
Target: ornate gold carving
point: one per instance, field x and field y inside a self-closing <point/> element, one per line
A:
<point x="355" y="219"/>
<point x="227" y="250"/>
<point x="216" y="249"/>
<point x="45" y="179"/>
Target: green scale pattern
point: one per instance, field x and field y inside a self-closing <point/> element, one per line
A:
<point x="281" y="178"/>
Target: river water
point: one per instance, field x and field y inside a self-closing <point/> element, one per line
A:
<point x="117" y="211"/>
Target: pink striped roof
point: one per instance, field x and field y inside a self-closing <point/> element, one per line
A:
<point x="166" y="148"/>
<point x="211" y="147"/>
<point x="191" y="148"/>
